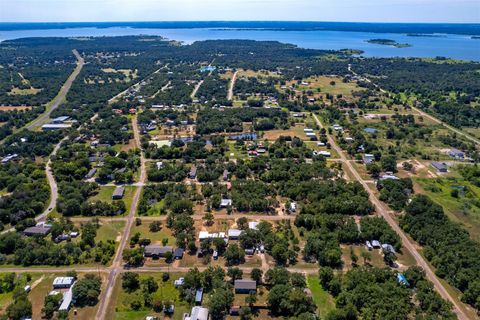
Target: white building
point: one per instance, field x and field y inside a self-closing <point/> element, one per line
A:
<point x="63" y="282"/>
<point x="198" y="313"/>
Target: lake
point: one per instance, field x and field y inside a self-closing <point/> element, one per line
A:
<point x="461" y="47"/>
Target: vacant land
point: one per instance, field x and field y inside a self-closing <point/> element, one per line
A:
<point x="324" y="301"/>
<point x="464" y="208"/>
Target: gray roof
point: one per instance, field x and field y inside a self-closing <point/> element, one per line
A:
<point x="245" y="285"/>
<point x="439" y="165"/>
<point x="118" y="191"/>
<point x="37" y="230"/>
<point x="157" y="250"/>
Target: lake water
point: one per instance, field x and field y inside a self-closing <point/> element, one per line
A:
<point x="451" y="46"/>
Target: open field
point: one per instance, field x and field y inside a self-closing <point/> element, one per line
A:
<point x="465" y="209"/>
<point x="15" y="108"/>
<point x="323" y="300"/>
<point x="23" y="92"/>
<point x="111" y="230"/>
<point x="155" y="237"/>
<point x="320" y="86"/>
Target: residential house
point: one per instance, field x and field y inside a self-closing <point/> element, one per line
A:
<point x="234" y="234"/>
<point x="368" y="158"/>
<point x="178" y="253"/>
<point x="155" y="251"/>
<point x="63" y="282"/>
<point x="440" y="166"/>
<point x="38" y="230"/>
<point x="197" y="313"/>
<point x="118" y="193"/>
<point x="455" y="153"/>
<point x="245" y="286"/>
<point x="225" y="203"/>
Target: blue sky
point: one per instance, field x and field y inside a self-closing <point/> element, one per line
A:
<point x="173" y="10"/>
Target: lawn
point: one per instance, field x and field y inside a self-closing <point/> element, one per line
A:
<point x="120" y="306"/>
<point x="105" y="195"/>
<point x="155" y="237"/>
<point x="324" y="301"/>
<point x="111" y="230"/>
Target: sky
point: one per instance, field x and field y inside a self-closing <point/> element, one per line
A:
<point x="202" y="10"/>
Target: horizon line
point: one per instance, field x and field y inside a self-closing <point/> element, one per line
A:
<point x="219" y="21"/>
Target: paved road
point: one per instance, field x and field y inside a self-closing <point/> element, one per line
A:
<point x="60" y="96"/>
<point x="117" y="261"/>
<point x="386" y="213"/>
<point x="232" y="85"/>
<point x="51" y="182"/>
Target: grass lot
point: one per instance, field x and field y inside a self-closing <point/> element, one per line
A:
<point x="120" y="308"/>
<point x="155" y="209"/>
<point x="465" y="209"/>
<point x="7" y="297"/>
<point x="105" y="194"/>
<point x="324" y="301"/>
<point x="155" y="237"/>
<point x="111" y="230"/>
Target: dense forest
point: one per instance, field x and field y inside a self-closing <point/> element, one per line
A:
<point x="448" y="247"/>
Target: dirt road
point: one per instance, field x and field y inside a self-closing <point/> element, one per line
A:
<point x="386" y="213"/>
<point x="117" y="261"/>
<point x="60" y="96"/>
<point x="232" y="85"/>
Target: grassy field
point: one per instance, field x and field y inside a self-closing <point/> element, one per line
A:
<point x="155" y="237"/>
<point x="111" y="230"/>
<point x="120" y="306"/>
<point x="24" y="92"/>
<point x="324" y="301"/>
<point x="464" y="209"/>
<point x="105" y="194"/>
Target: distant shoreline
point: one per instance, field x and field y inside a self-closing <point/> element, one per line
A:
<point x="413" y="29"/>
